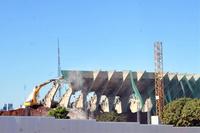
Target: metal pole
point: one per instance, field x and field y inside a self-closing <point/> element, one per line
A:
<point x="149" y="117"/>
<point x="138" y="112"/>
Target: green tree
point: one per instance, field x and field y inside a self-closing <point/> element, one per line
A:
<point x="59" y="113"/>
<point x="182" y="112"/>
<point x="110" y="116"/>
<point x="190" y="115"/>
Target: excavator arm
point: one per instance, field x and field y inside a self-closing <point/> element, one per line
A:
<point x="38" y="88"/>
<point x="32" y="99"/>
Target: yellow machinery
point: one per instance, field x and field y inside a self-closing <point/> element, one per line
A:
<point x="32" y="99"/>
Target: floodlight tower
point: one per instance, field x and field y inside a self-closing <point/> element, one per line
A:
<point x="159" y="84"/>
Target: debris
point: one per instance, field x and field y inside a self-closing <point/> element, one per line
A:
<point x="40" y="111"/>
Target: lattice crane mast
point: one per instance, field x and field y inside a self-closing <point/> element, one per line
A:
<point x="159" y="84"/>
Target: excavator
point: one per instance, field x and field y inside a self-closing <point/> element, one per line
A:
<point x="32" y="100"/>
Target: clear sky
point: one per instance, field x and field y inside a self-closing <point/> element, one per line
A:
<point x="94" y="34"/>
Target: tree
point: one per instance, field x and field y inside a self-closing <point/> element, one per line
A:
<point x="182" y="112"/>
<point x="110" y="116"/>
<point x="190" y="115"/>
<point x="59" y="113"/>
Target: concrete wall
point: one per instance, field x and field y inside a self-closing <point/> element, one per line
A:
<point x="51" y="125"/>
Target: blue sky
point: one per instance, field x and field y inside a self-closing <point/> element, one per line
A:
<point x="106" y="34"/>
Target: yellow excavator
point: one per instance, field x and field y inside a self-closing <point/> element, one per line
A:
<point x="32" y="99"/>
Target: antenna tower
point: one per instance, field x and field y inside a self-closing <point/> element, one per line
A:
<point x="59" y="68"/>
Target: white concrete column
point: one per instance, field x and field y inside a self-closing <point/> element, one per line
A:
<point x="66" y="98"/>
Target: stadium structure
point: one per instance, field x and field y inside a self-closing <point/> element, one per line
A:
<point x="123" y="91"/>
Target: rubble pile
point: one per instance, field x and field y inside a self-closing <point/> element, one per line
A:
<point x="40" y="111"/>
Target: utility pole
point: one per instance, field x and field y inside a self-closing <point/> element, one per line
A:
<point x="59" y="68"/>
<point x="159" y="84"/>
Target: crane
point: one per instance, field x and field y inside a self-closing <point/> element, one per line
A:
<point x="159" y="84"/>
